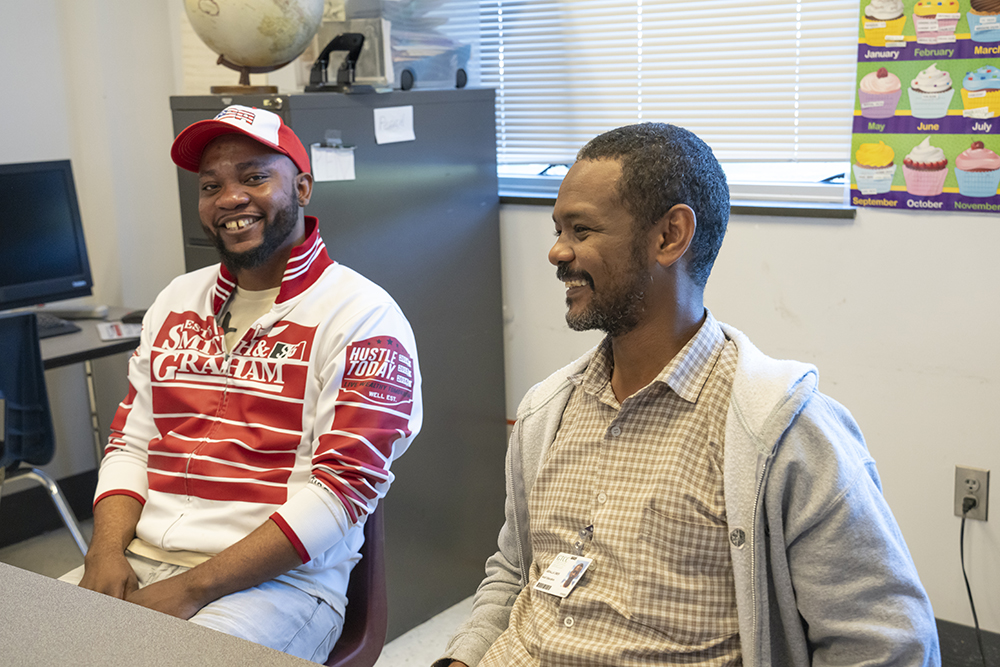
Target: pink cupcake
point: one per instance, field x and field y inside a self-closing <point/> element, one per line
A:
<point x="935" y="21"/>
<point x="879" y="93"/>
<point x="977" y="169"/>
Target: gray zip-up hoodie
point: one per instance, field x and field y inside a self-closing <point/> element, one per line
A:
<point x="822" y="574"/>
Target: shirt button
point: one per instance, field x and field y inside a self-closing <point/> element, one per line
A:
<point x="616" y="430"/>
<point x="568" y="621"/>
<point x="602" y="498"/>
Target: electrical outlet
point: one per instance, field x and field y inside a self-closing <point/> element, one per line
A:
<point x="972" y="483"/>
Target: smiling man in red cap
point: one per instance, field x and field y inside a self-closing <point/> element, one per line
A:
<point x="268" y="397"/>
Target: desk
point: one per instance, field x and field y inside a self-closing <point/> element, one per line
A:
<point x="49" y="622"/>
<point x="85" y="344"/>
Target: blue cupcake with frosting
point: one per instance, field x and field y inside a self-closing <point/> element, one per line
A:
<point x="981" y="92"/>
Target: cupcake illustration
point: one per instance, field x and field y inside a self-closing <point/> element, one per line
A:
<point x="984" y="21"/>
<point x="977" y="169"/>
<point x="981" y="92"/>
<point x="883" y="18"/>
<point x="878" y="94"/>
<point x="873" y="168"/>
<point x="924" y="169"/>
<point x="930" y="93"/>
<point x="935" y="21"/>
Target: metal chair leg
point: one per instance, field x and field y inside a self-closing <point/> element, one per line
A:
<point x="60" y="502"/>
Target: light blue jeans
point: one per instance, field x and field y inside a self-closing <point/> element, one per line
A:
<point x="274" y="614"/>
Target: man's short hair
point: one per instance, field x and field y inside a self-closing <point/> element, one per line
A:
<point x="662" y="166"/>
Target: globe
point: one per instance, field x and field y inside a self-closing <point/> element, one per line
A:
<point x="255" y="35"/>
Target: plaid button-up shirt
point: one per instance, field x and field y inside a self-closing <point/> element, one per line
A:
<point x="647" y="474"/>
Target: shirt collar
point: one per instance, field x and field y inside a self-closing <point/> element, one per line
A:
<point x="686" y="374"/>
<point x="306" y="263"/>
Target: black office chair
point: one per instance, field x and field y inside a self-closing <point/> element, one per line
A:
<point x="26" y="434"/>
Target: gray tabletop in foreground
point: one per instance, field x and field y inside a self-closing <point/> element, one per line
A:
<point x="48" y="622"/>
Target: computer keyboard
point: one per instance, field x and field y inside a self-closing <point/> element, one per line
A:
<point x="49" y="325"/>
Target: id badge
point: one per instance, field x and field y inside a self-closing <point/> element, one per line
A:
<point x="563" y="574"/>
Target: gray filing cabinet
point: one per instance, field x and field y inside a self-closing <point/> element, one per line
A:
<point x="421" y="220"/>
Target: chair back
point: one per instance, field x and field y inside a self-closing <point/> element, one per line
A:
<point x="366" y="617"/>
<point x="28" y="435"/>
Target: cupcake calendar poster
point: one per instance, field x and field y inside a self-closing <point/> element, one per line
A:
<point x="927" y="105"/>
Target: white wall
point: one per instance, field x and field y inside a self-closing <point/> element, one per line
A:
<point x="32" y="78"/>
<point x="898" y="310"/>
<point x="120" y="75"/>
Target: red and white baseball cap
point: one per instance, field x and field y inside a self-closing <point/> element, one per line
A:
<point x="264" y="126"/>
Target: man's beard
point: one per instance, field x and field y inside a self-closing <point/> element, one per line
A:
<point x="276" y="232"/>
<point x="616" y="309"/>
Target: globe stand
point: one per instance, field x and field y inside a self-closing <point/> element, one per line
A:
<point x="244" y="87"/>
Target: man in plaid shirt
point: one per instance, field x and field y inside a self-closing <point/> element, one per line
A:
<point x="726" y="511"/>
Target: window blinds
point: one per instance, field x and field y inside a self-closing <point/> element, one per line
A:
<point x="758" y="81"/>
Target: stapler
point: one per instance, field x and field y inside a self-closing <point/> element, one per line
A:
<point x="350" y="42"/>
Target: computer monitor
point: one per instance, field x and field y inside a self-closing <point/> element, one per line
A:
<point x="43" y="256"/>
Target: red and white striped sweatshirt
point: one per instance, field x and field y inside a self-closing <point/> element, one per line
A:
<point x="299" y="423"/>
